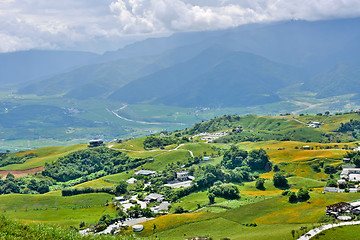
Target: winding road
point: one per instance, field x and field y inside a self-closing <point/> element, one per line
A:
<point x="155" y="150"/>
<point x="141" y="122"/>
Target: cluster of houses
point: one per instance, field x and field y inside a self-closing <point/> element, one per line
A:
<point x="315" y="124"/>
<point x="182" y="179"/>
<point x="343" y="210"/>
<point x="350" y="174"/>
<point x="210" y="137"/>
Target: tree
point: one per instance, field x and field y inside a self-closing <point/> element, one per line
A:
<point x="276" y="168"/>
<point x="226" y="190"/>
<point x="303" y="195"/>
<point x="121" y="188"/>
<point x="234" y="157"/>
<point x="280" y="181"/>
<point x="179" y="209"/>
<point x="329" y="169"/>
<point x="356" y="160"/>
<point x="260" y="184"/>
<point x="146" y="212"/>
<point x="331" y="183"/>
<point x="292" y="197"/>
<point x="10" y="176"/>
<point x="211" y="197"/>
<point x="257" y="159"/>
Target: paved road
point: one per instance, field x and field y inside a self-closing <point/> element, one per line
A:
<point x="143" y="122"/>
<point x="318" y="230"/>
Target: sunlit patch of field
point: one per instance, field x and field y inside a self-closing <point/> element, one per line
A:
<point x="135" y="144"/>
<point x="55" y="209"/>
<point x="173" y="220"/>
<point x="97" y="183"/>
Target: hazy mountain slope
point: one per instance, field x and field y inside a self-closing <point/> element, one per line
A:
<point x="106" y="75"/>
<point x="301" y="43"/>
<point x="342" y="79"/>
<point x="24" y="66"/>
<point x="216" y="77"/>
<point x="100" y="79"/>
<point x="316" y="45"/>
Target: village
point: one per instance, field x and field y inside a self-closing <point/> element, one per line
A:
<point x="139" y="207"/>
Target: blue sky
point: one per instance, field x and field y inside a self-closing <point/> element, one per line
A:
<point x="100" y="25"/>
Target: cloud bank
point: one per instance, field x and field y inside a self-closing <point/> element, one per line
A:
<point x="26" y="24"/>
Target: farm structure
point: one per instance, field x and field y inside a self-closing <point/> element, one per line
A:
<point x="96" y="143"/>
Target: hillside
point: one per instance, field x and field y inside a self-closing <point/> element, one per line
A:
<point x="26" y="66"/>
<point x="341" y="79"/>
<point x="93" y="174"/>
<point x="311" y="48"/>
<point x="216" y="77"/>
<point x="98" y="80"/>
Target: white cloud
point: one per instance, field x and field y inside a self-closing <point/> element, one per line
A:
<point x="143" y="16"/>
<point x="26" y="24"/>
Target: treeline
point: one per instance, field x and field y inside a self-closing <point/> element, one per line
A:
<point x="154" y="141"/>
<point x="25" y="185"/>
<point x="82" y="163"/>
<point x="72" y="169"/>
<point x="213" y="125"/>
<point x="76" y="191"/>
<point x="302" y="134"/>
<point x="225" y="190"/>
<point x="7" y="159"/>
<point x="349" y="126"/>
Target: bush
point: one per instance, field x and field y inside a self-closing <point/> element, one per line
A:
<point x="303" y="195"/>
<point x="260" y="184"/>
<point x="292" y="197"/>
<point x="331" y="183"/>
<point x="179" y="209"/>
<point x="280" y="181"/>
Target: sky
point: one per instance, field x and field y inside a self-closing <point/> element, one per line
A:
<point x="102" y="25"/>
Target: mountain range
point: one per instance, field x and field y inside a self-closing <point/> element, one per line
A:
<point x="243" y="66"/>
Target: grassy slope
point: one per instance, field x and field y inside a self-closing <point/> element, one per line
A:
<point x="55" y="209"/>
<point x="44" y="155"/>
<point x="270" y="214"/>
<point x="275" y="218"/>
<point x="342" y="232"/>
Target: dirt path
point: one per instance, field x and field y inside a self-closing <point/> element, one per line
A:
<point x="21" y="173"/>
<point x="299" y="121"/>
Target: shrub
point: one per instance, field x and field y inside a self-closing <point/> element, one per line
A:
<point x="292" y="197"/>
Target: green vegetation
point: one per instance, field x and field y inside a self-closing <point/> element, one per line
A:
<point x="43" y="156"/>
<point x="242" y="185"/>
<point x="342" y="232"/>
<point x="153" y="141"/>
<point x="85" y="162"/>
<point x="52" y="208"/>
<point x="5" y="159"/>
<point x="14" y="230"/>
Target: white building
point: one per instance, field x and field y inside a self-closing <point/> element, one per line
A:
<point x="350" y="174"/>
<point x="182" y="176"/>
